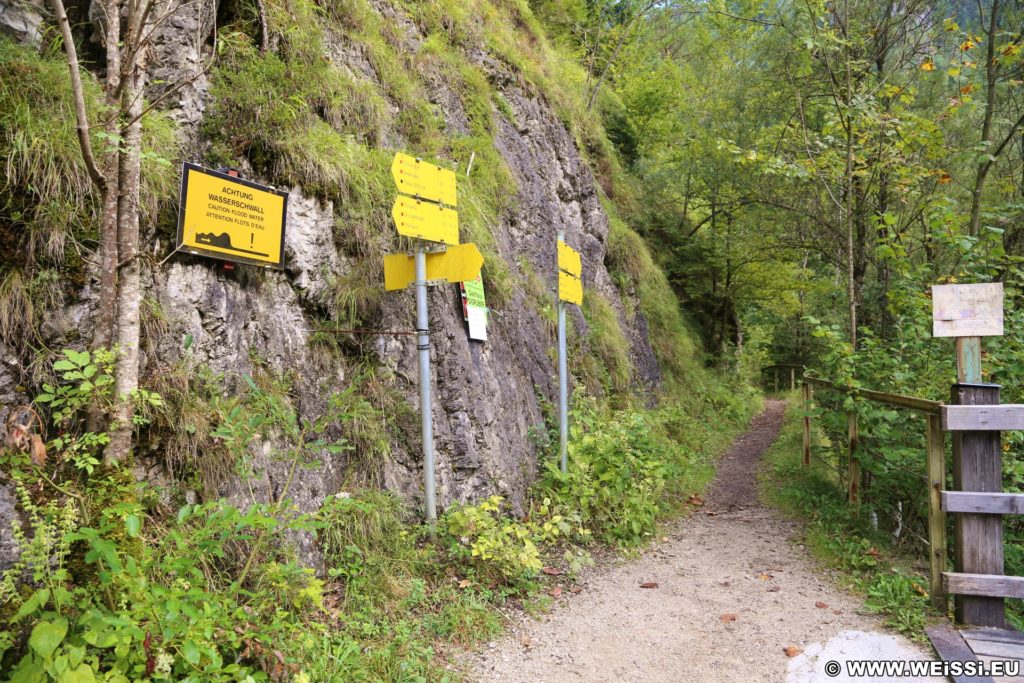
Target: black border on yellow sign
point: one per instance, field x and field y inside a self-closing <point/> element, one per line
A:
<point x="187" y="168"/>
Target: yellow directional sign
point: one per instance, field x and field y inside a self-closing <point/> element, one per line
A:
<point x="570" y="289"/>
<point x="425" y="221"/>
<point x="231" y="219"/>
<point x="420" y="179"/>
<point x="569" y="259"/>
<point x="461" y="262"/>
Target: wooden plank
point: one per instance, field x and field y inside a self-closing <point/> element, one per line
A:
<point x="996" y="635"/>
<point x="923" y="405"/>
<point x="990" y="648"/>
<point x="818" y="382"/>
<point x="983" y="418"/>
<point x="984" y="503"/>
<point x="973" y="310"/>
<point x="936" y="447"/>
<point x="978" y="549"/>
<point x="950" y="646"/>
<point x="987" y="585"/>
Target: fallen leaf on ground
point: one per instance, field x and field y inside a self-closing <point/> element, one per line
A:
<point x="649" y="584"/>
<point x="575" y="590"/>
<point x="792" y="651"/>
<point x="837" y="611"/>
<point x="920" y="591"/>
<point x="695" y="500"/>
<point x="552" y="571"/>
<point x="765" y="577"/>
<point x="872" y="551"/>
<point x="664" y="539"/>
<point x="773" y="589"/>
<point x="728" y="617"/>
<point x="821" y="605"/>
<point x="464" y="583"/>
<point x="526" y="641"/>
<point x="555" y="592"/>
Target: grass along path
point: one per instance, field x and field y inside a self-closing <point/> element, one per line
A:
<point x="732" y="594"/>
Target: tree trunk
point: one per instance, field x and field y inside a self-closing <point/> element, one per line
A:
<point x="991" y="74"/>
<point x="851" y="281"/>
<point x="129" y="289"/>
<point x="103" y="329"/>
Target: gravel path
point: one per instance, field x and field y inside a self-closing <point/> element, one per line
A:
<point x="733" y="592"/>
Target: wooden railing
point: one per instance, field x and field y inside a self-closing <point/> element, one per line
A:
<point x="935" y="453"/>
<point x="794" y="370"/>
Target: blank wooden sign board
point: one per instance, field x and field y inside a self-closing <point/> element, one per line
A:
<point x="967" y="310"/>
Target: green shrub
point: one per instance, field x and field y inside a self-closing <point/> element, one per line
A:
<point x="617" y="474"/>
<point x="499" y="548"/>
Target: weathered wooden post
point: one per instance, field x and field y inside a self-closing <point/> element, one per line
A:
<point x="792" y="379"/>
<point x="852" y="437"/>
<point x="807" y="423"/>
<point x="969" y="312"/>
<point x="936" y="446"/>
<point x="978" y="466"/>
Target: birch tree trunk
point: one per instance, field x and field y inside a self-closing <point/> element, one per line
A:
<point x="129" y="269"/>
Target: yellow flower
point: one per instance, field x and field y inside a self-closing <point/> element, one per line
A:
<point x="928" y="65"/>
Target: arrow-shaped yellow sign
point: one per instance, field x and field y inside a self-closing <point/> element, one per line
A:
<point x="461" y="262"/>
<point x="420" y="179"/>
<point x="569" y="259"/>
<point x="425" y="221"/>
<point x="570" y="289"/>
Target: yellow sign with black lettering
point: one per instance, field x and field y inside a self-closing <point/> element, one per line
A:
<point x="425" y="221"/>
<point x="231" y="219"/>
<point x="459" y="263"/>
<point x="569" y="259"/>
<point x="570" y="288"/>
<point x="426" y="181"/>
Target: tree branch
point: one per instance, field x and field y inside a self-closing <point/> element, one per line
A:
<point x="81" y="115"/>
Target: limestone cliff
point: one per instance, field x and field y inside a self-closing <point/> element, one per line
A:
<point x="488" y="396"/>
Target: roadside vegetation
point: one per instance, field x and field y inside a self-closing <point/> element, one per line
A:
<point x="890" y="575"/>
<point x="129" y="583"/>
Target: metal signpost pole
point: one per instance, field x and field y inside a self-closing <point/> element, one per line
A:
<point x="423" y="348"/>
<point x="563" y="383"/>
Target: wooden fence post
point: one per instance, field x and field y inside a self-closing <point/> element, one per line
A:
<point x="978" y="466"/>
<point x="936" y="446"/>
<point x="807" y="424"/>
<point x="852" y="438"/>
<point x="792" y="379"/>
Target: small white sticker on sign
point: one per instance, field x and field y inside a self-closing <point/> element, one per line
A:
<point x="967" y="310"/>
<point x="477" y="318"/>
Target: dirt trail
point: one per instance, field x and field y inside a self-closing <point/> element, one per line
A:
<point x="733" y="592"/>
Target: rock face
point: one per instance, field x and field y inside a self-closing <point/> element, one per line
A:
<point x="487" y="396"/>
<point x="22" y="19"/>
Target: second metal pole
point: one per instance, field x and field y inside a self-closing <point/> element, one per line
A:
<point x="563" y="382"/>
<point x="423" y="349"/>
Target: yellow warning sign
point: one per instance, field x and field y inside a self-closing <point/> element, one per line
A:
<point x="570" y="289"/>
<point x="420" y="179"/>
<point x="231" y="219"/>
<point x="569" y="259"/>
<point x="425" y="221"/>
<point x="461" y="262"/>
